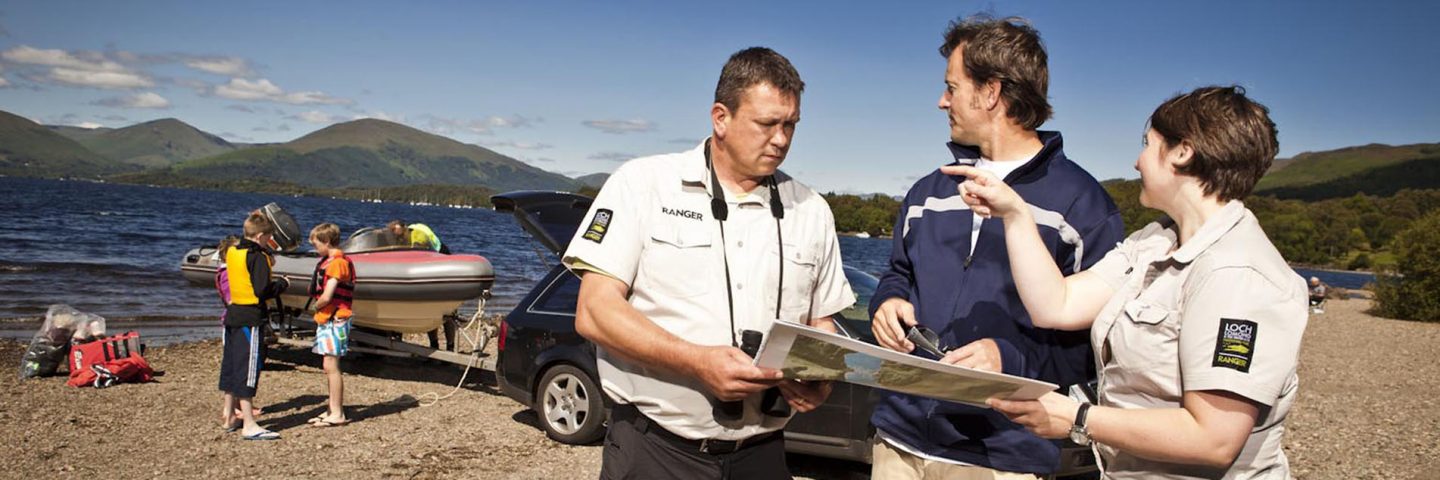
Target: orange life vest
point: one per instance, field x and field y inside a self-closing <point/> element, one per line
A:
<point x="344" y="295"/>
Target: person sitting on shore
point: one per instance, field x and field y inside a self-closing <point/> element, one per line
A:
<point x="1317" y="295"/>
<point x="333" y="288"/>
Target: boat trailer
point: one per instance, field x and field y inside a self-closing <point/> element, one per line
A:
<point x="293" y="328"/>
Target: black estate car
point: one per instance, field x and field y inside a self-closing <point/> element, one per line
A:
<point x="545" y="364"/>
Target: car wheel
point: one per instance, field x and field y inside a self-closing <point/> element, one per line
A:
<point x="569" y="405"/>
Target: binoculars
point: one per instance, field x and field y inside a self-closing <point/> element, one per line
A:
<point x="772" y="402"/>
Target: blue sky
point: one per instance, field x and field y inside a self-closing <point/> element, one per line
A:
<point x="576" y="87"/>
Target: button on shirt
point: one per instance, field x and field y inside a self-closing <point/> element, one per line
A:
<point x="652" y="228"/>
<point x="1222" y="312"/>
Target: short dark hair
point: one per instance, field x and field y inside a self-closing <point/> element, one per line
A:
<point x="1233" y="138"/>
<point x="395" y="223"/>
<point x="754" y="66"/>
<point x="1008" y="50"/>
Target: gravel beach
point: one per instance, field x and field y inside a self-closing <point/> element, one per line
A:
<point x="1367" y="409"/>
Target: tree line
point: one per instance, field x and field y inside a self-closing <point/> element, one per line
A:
<point x="1354" y="232"/>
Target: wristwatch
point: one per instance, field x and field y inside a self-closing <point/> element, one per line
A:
<point x="1078" y="433"/>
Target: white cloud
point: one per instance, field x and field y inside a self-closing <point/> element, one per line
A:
<point x="87" y="61"/>
<point x="519" y="145"/>
<point x="620" y="127"/>
<point x="314" y="116"/>
<point x="90" y="125"/>
<point x="3" y="81"/>
<point x="228" y="66"/>
<point x="141" y="100"/>
<point x="379" y="115"/>
<point x="240" y="108"/>
<point x="99" y="79"/>
<point x="263" y="90"/>
<point x="611" y="156"/>
<point x="80" y="68"/>
<point x="479" y="126"/>
<point x="242" y="89"/>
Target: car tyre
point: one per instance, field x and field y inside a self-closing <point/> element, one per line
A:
<point x="569" y="404"/>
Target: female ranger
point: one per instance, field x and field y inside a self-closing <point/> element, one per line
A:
<point x="1195" y="319"/>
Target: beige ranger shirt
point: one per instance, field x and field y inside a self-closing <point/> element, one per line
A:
<point x="1222" y="312"/>
<point x="651" y="227"/>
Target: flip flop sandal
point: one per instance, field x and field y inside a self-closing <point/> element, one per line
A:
<point x="232" y="428"/>
<point x="327" y="423"/>
<point x="317" y="419"/>
<point x="263" y="435"/>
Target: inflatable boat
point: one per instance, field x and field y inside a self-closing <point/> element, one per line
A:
<point x="398" y="287"/>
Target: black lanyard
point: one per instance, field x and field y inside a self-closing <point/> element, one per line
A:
<point x="721" y="212"/>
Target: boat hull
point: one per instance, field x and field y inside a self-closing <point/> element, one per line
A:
<point x="405" y="291"/>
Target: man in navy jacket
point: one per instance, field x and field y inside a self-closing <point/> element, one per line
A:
<point x="949" y="269"/>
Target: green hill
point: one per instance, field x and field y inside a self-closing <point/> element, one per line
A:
<point x="374" y="153"/>
<point x="1372" y="169"/>
<point x="594" y="180"/>
<point x="28" y="149"/>
<point x="1385" y="181"/>
<point x="157" y="143"/>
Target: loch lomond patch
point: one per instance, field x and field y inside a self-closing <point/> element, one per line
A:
<point x="598" y="225"/>
<point x="1235" y="347"/>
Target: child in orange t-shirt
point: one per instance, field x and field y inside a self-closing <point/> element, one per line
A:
<point x="332" y="288"/>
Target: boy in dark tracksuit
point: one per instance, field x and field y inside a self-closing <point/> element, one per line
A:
<point x="248" y="264"/>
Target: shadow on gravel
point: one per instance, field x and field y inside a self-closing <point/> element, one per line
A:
<point x="389" y="368"/>
<point x="528" y="418"/>
<point x="311" y="406"/>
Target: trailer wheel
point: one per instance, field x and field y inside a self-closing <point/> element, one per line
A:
<point x="569" y="405"/>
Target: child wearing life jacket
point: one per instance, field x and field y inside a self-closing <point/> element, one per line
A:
<point x="247" y="266"/>
<point x="333" y="288"/>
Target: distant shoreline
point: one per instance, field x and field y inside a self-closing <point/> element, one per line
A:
<point x="1331" y="270"/>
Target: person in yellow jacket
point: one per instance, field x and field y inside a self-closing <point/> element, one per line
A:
<point x="419" y="234"/>
<point x="248" y="264"/>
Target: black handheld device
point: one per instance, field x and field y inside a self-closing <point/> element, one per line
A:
<point x="733" y="411"/>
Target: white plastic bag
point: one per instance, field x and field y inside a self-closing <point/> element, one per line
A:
<point x="63" y="324"/>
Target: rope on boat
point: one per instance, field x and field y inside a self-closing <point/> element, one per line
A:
<point x="476" y="346"/>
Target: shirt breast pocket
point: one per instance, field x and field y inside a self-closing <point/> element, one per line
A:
<point x="801" y="266"/>
<point x="678" y="262"/>
<point x="1149" y="341"/>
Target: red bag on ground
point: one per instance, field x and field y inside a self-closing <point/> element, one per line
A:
<point x="126" y="370"/>
<point x="120" y="352"/>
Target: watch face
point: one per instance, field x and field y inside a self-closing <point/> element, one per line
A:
<point x="1079" y="436"/>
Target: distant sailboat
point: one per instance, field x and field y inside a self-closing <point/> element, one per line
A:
<point x="862" y="235"/>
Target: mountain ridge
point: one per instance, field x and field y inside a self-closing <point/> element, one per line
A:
<point x="30" y="149"/>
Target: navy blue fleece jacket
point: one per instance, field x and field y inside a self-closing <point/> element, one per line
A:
<point x="966" y="297"/>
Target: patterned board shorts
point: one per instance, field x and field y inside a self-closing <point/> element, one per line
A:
<point x="332" y="337"/>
